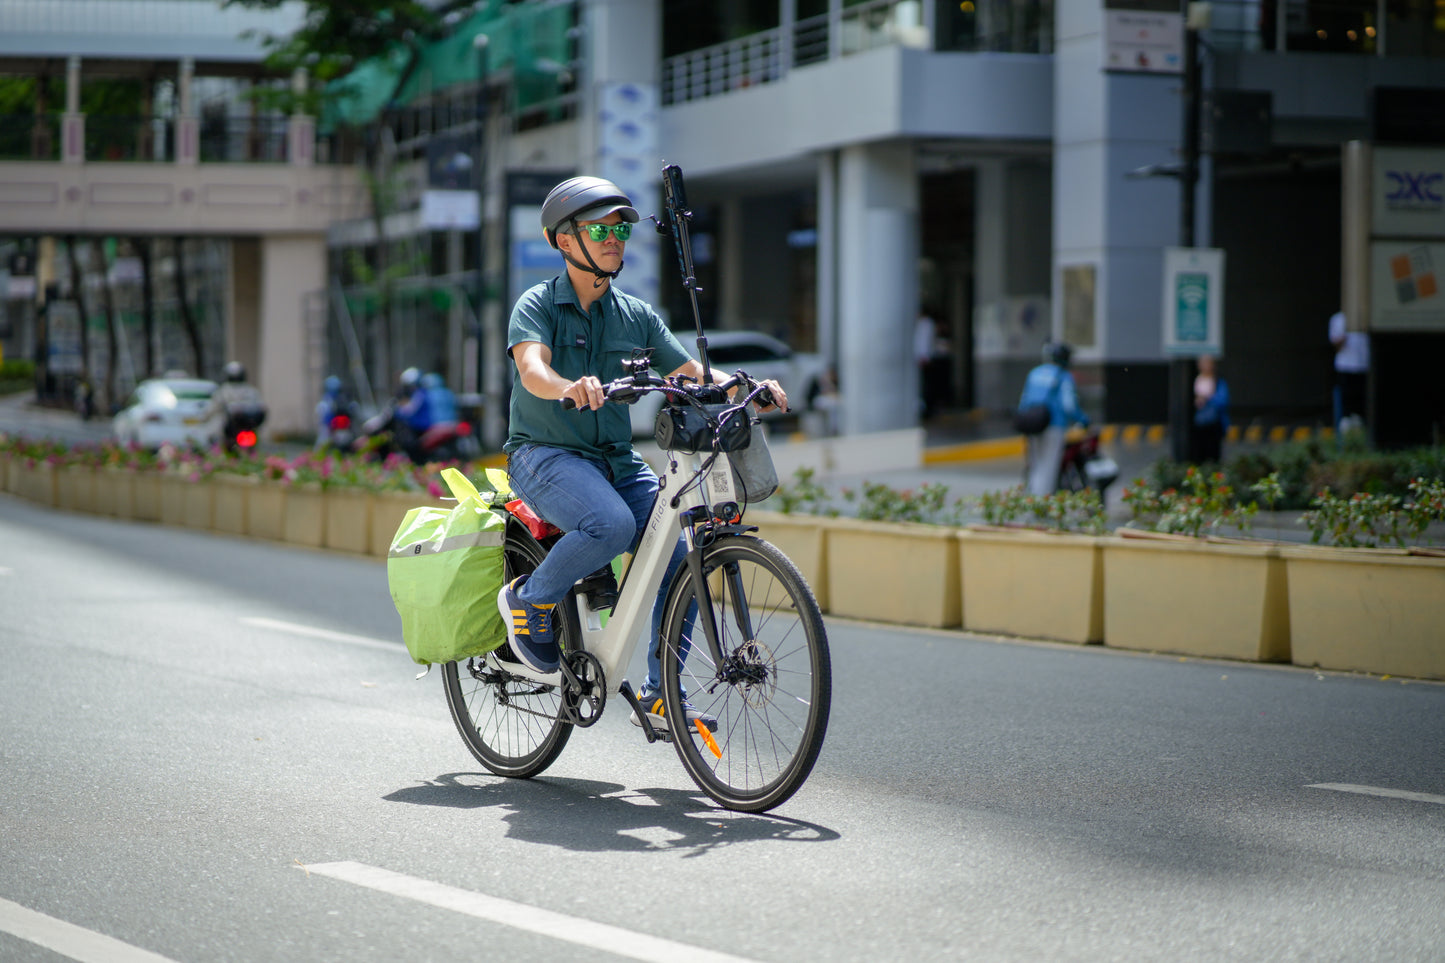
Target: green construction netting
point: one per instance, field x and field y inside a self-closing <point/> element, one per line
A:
<point x="530" y="40"/>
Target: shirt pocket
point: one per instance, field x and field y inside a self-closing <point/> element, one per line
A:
<point x="570" y="352"/>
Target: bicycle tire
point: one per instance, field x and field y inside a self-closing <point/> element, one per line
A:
<point x="512" y="725"/>
<point x="1071" y="479"/>
<point x="772" y="694"/>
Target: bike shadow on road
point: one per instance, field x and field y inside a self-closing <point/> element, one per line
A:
<point x="618" y="818"/>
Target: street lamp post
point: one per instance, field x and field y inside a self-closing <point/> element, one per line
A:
<point x="1181" y="406"/>
<point x="479" y="171"/>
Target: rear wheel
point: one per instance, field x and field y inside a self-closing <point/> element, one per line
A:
<point x="511" y="724"/>
<point x="772" y="689"/>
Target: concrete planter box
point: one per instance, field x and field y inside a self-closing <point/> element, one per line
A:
<point x="1196" y="597"/>
<point x="172" y="499"/>
<point x="387" y="511"/>
<point x="115" y="492"/>
<point x="304" y="516"/>
<point x="803" y="538"/>
<point x="7" y="482"/>
<point x="75" y="488"/>
<point x="266" y="510"/>
<point x="348" y="520"/>
<point x="229" y="497"/>
<point x="893" y="572"/>
<point x="35" y="481"/>
<point x="1367" y="610"/>
<point x="146" y="496"/>
<point x="1041" y="585"/>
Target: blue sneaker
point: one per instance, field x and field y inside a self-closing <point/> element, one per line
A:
<point x="652" y="703"/>
<point x="529" y="629"/>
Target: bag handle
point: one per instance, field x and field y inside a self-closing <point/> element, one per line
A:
<point x="462" y="488"/>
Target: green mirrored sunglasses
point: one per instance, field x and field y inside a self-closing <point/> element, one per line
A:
<point x="598" y="232"/>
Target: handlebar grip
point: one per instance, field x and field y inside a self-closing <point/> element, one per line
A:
<point x="567" y="403"/>
<point x="765" y="397"/>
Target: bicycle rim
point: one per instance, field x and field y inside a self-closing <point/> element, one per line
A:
<point x="772" y="692"/>
<point x="511" y="725"/>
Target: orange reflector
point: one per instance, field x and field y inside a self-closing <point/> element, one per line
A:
<point x="707" y="738"/>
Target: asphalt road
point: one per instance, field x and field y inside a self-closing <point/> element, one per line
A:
<point x="214" y="749"/>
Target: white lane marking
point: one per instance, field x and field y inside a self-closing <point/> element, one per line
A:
<point x="1380" y="791"/>
<point x="70" y="940"/>
<point x="327" y="634"/>
<point x="558" y="926"/>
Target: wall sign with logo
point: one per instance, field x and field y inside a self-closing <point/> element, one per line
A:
<point x="1143" y="36"/>
<point x="1407" y="192"/>
<point x="1193" y="301"/>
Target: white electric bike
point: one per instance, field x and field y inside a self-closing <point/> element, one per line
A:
<point x="741" y="633"/>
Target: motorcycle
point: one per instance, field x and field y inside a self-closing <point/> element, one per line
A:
<point x="239" y="434"/>
<point x="384" y="433"/>
<point x="1084" y="466"/>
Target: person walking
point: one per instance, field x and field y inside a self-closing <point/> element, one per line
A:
<point x="1352" y="370"/>
<point x="1211" y="413"/>
<point x="1051" y="385"/>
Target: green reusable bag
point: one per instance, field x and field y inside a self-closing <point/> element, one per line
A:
<point x="445" y="570"/>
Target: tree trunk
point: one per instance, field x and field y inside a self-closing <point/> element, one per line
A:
<point x="188" y="317"/>
<point x="107" y="301"/>
<point x="147" y="303"/>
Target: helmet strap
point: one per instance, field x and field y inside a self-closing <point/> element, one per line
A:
<point x="591" y="265"/>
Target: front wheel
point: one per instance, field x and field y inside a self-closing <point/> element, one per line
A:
<point x="771" y="690"/>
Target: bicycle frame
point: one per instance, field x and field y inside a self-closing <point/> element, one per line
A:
<point x="614" y="644"/>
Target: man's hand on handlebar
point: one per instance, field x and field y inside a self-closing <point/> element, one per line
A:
<point x="585" y="392"/>
<point x="774" y="394"/>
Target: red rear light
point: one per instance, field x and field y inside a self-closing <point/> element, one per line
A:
<point x="463" y="428"/>
<point x="246" y="439"/>
<point x="338" y="422"/>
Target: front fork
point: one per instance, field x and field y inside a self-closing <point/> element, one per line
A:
<point x="699" y="538"/>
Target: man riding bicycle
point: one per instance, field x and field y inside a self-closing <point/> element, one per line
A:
<point x="577" y="468"/>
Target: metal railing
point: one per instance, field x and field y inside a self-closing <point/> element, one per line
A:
<point x="1023" y="26"/>
<point x="28" y="137"/>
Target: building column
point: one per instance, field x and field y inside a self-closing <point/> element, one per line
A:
<point x="827" y="256"/>
<point x="878" y="249"/>
<point x="72" y="130"/>
<point x="188" y="126"/>
<point x="300" y="128"/>
<point x="291" y="267"/>
<point x="243" y="304"/>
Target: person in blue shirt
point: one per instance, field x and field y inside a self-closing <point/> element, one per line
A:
<point x="440" y="404"/>
<point x="1211" y="413"/>
<point x="1051" y="384"/>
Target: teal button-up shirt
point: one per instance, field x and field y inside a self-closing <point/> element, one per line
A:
<point x="594" y="344"/>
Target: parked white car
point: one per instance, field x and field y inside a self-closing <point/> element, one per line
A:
<point x="168" y="411"/>
<point x="762" y="356"/>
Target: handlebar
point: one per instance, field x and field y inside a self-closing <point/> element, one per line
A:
<point x="629" y="389"/>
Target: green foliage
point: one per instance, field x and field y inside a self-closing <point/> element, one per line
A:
<point x="1366" y="519"/>
<point x="16" y="375"/>
<point x="926" y="504"/>
<point x="337" y="35"/>
<point x="1201" y="501"/>
<point x="1062" y="511"/>
<point x="1305" y="468"/>
<point x="804" y="497"/>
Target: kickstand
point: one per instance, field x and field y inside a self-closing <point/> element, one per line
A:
<point x="625" y="690"/>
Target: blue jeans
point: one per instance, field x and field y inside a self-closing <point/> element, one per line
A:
<point x="602" y="518"/>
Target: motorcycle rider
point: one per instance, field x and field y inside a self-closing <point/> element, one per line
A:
<point x="236" y="403"/>
<point x="1051" y="384"/>
<point x="333" y="402"/>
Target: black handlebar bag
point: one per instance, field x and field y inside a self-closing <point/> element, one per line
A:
<point x="691" y="429"/>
